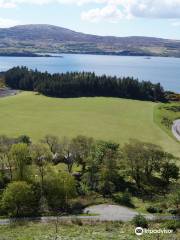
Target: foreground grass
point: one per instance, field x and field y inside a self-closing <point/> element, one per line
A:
<point x="93" y="231"/>
<point x="101" y="118"/>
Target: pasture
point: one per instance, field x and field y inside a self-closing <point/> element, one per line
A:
<point x="102" y="118"/>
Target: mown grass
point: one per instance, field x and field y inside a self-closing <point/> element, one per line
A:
<point x="93" y="231"/>
<point x="102" y="118"/>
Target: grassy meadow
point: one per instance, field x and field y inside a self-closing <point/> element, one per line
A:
<point x="101" y="118"/>
<point x="93" y="231"/>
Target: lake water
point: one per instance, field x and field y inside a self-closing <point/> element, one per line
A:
<point x="157" y="69"/>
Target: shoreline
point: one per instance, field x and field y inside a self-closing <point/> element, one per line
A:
<point x="60" y="54"/>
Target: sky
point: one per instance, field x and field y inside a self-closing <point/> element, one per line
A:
<point x="156" y="18"/>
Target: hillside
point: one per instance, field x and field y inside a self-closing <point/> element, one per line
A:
<point x="28" y="39"/>
<point x="102" y="118"/>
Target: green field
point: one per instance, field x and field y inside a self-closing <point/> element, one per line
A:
<point x="101" y="118"/>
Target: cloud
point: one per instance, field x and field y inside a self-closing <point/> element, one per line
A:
<point x="176" y="24"/>
<point x="14" y="3"/>
<point x="5" y="22"/>
<point x="155" y="8"/>
<point x="114" y="10"/>
<point x="109" y="13"/>
<point x="117" y="9"/>
<point x="6" y="4"/>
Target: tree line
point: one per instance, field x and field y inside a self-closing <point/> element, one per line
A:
<point x="48" y="176"/>
<point x="82" y="84"/>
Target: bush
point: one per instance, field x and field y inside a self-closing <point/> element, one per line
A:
<point x="59" y="188"/>
<point x="76" y="221"/>
<point x="24" y="139"/>
<point x="140" y="221"/>
<point x="172" y="224"/>
<point x="108" y="227"/>
<point x="123" y="199"/>
<point x="76" y="207"/>
<point x="83" y="189"/>
<point x="4" y="180"/>
<point x="152" y="209"/>
<point x="173" y="211"/>
<point x="18" y="200"/>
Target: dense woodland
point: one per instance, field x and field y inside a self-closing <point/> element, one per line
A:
<point x="82" y="84"/>
<point x="59" y="175"/>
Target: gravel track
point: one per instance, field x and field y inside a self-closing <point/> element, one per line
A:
<point x="176" y="129"/>
<point x="113" y="212"/>
<point x="103" y="212"/>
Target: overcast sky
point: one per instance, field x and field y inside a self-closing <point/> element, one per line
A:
<point x="158" y="18"/>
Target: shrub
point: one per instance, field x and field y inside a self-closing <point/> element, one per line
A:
<point x="83" y="189"/>
<point x="108" y="227"/>
<point x="76" y="207"/>
<point x="152" y="209"/>
<point x="173" y="211"/>
<point x="172" y="224"/>
<point x="18" y="199"/>
<point x="76" y="221"/>
<point x="175" y="199"/>
<point x="24" y="139"/>
<point x="140" y="221"/>
<point x="123" y="199"/>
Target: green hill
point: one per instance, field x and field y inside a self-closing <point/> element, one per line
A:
<point x="101" y="118"/>
<point x="28" y="39"/>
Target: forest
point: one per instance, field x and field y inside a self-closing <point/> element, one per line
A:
<point x="82" y="84"/>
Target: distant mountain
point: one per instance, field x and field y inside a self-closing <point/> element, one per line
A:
<point x="40" y="38"/>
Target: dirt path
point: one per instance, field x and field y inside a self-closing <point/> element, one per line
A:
<point x="176" y="129"/>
